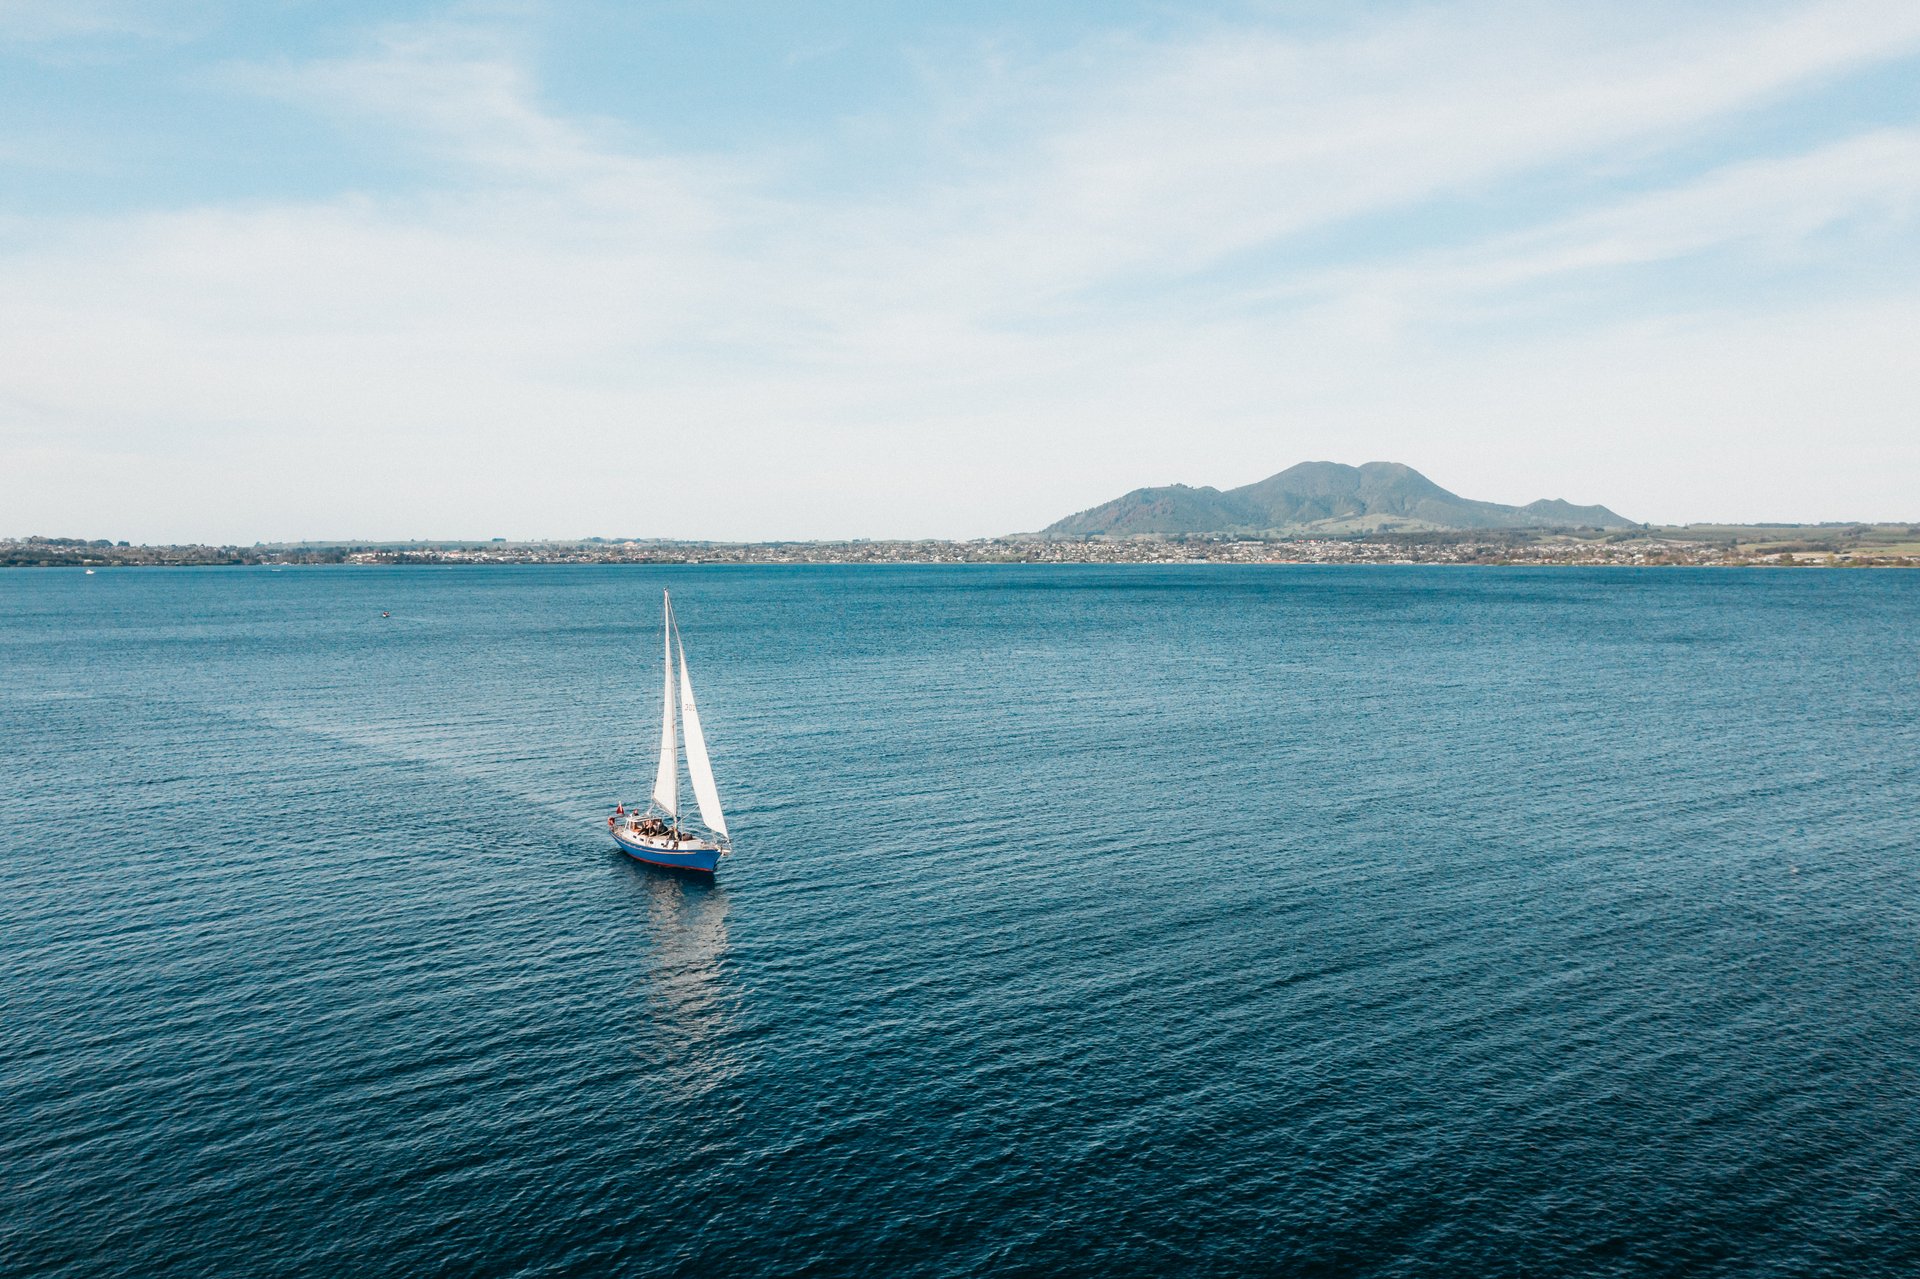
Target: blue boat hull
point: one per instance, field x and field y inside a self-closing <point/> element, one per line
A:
<point x="702" y="861"/>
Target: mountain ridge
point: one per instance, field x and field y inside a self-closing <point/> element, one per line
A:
<point x="1324" y="497"/>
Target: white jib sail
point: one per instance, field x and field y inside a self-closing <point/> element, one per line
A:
<point x="666" y="782"/>
<point x="705" y="793"/>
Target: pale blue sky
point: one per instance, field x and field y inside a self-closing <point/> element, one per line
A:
<point x="284" y="270"/>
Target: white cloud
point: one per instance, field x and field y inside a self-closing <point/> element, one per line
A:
<point x="1766" y="210"/>
<point x="1237" y="140"/>
<point x="558" y="319"/>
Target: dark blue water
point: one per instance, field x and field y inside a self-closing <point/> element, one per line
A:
<point x="1178" y="921"/>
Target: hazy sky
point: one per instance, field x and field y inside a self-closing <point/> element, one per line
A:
<point x="299" y="270"/>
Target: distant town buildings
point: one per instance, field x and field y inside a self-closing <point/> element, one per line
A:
<point x="1863" y="545"/>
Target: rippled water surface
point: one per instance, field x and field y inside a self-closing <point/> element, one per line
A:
<point x="1184" y="920"/>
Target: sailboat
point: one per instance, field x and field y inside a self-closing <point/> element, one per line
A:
<point x="658" y="836"/>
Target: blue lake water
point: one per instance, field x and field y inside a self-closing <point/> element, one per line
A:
<point x="1085" y="921"/>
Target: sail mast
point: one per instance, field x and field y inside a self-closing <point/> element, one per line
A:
<point x="666" y="780"/>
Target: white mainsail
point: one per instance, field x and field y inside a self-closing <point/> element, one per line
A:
<point x="666" y="782"/>
<point x="705" y="793"/>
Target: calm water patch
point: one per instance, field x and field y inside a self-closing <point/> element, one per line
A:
<point x="1190" y="920"/>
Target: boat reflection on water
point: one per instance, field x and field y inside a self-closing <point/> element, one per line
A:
<point x="685" y="1004"/>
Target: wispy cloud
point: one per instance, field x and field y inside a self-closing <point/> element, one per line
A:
<point x="1120" y="289"/>
<point x="1771" y="213"/>
<point x="1174" y="158"/>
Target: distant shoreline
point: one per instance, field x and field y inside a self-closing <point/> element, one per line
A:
<point x="1732" y="546"/>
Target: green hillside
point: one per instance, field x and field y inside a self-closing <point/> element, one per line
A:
<point x="1325" y="497"/>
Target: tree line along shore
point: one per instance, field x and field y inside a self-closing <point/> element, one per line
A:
<point x="1832" y="545"/>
